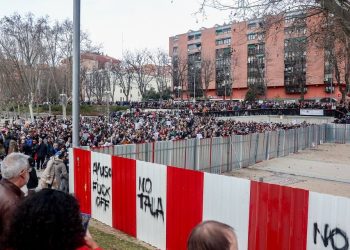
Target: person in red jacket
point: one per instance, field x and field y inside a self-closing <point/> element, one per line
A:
<point x="49" y="219"/>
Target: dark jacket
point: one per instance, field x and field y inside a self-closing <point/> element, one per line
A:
<point x="33" y="179"/>
<point x="41" y="150"/>
<point x="26" y="149"/>
<point x="10" y="196"/>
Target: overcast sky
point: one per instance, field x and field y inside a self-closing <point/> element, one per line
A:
<point x="123" y="24"/>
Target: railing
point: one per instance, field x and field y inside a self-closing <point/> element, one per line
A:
<point x="222" y="154"/>
<point x="283" y="111"/>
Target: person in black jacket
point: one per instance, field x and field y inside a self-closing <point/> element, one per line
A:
<point x="33" y="178"/>
<point x="41" y="153"/>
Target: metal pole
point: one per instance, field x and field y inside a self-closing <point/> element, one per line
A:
<point x="76" y="72"/>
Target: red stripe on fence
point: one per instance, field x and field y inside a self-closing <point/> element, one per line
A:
<point x="124" y="194"/>
<point x="82" y="178"/>
<point x="184" y="205"/>
<point x="277" y="217"/>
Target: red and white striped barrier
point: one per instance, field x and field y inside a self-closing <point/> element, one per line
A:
<point x="161" y="204"/>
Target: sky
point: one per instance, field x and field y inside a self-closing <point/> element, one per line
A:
<point x="120" y="25"/>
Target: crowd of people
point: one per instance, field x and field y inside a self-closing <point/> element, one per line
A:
<point x="50" y="136"/>
<point x="47" y="219"/>
<point x="46" y="140"/>
<point x="43" y="145"/>
<point x="234" y="105"/>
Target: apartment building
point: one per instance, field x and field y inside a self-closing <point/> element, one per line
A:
<point x="281" y="59"/>
<point x="100" y="81"/>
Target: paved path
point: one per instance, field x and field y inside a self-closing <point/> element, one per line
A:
<point x="325" y="169"/>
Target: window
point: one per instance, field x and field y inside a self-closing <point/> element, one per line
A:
<point x="194" y="36"/>
<point x="220" y="31"/>
<point x="251" y="26"/>
<point x="251" y="36"/>
<point x="194" y="46"/>
<point x="175" y="49"/>
<point x="261" y="36"/>
<point x="299" y="30"/>
<point x="223" y="41"/>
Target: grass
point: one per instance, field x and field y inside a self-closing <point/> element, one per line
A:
<point x="88" y="110"/>
<point x="112" y="242"/>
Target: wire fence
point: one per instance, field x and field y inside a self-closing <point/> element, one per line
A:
<point x="223" y="154"/>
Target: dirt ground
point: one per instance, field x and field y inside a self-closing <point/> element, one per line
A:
<point x="325" y="169"/>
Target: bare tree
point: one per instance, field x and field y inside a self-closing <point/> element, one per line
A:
<point x="242" y="9"/>
<point x="97" y="83"/>
<point x="124" y="76"/>
<point x="21" y="43"/>
<point x="208" y="73"/>
<point x="65" y="47"/>
<point x="179" y="75"/>
<point x="141" y="63"/>
<point x="162" y="71"/>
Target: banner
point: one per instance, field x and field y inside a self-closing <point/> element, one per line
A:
<point x="315" y="112"/>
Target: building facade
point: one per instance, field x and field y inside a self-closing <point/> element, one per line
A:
<point x="100" y="82"/>
<point x="279" y="60"/>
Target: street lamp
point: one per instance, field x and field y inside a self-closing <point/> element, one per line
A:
<point x="64" y="105"/>
<point x="194" y="80"/>
<point x="178" y="90"/>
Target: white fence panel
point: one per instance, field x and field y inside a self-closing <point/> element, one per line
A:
<point x="101" y="184"/>
<point x="226" y="199"/>
<point x="328" y="222"/>
<point x="151" y="185"/>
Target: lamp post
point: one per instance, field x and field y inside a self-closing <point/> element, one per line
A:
<point x="178" y="91"/>
<point x="76" y="73"/>
<point x="194" y="81"/>
<point x="64" y="105"/>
